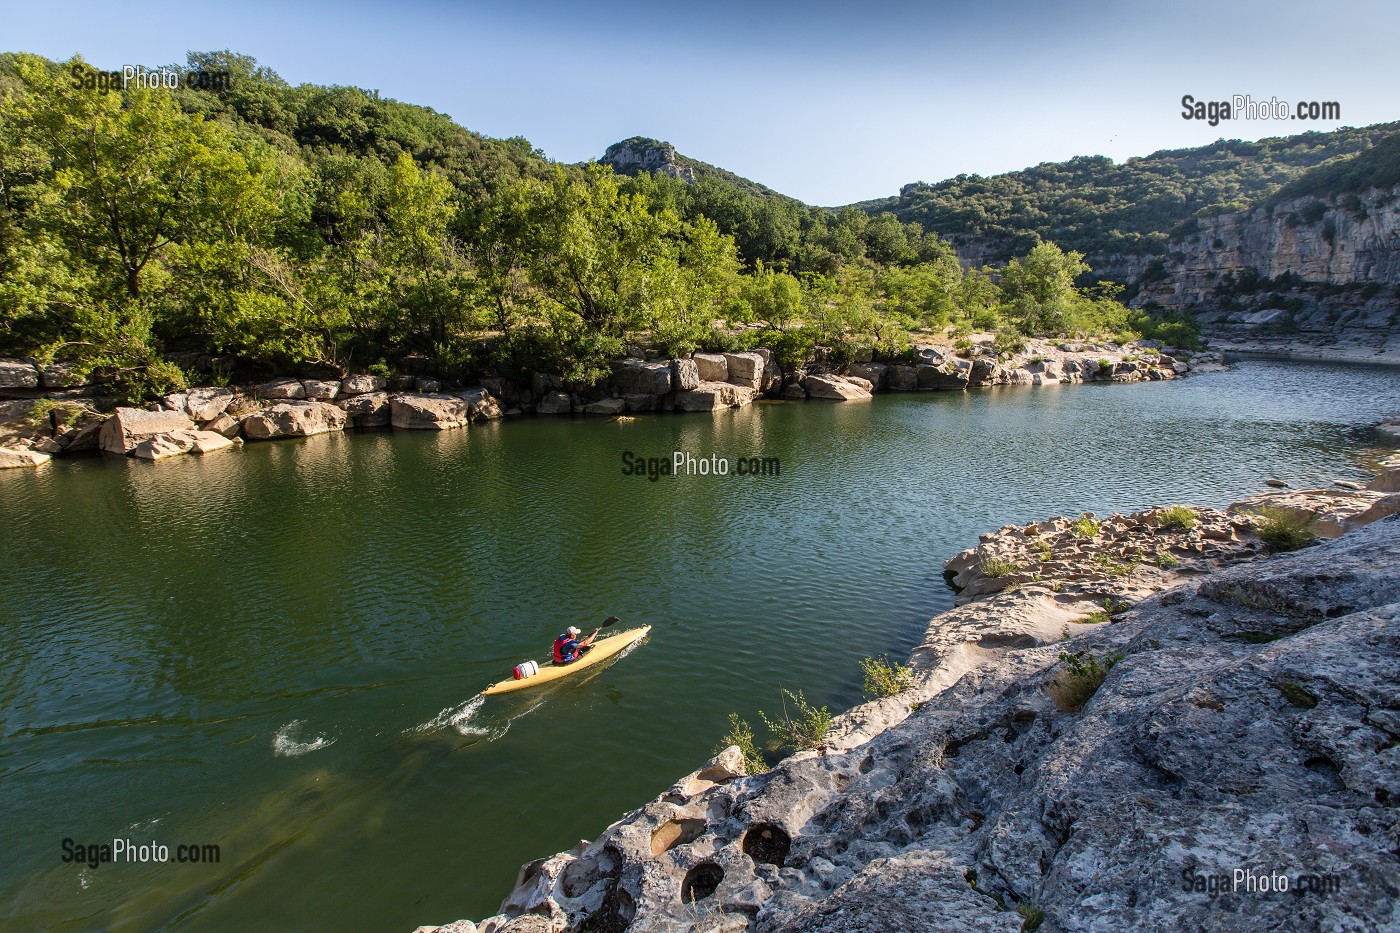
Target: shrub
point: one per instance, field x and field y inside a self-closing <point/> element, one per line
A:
<point x="1177" y="518"/>
<point x="1166" y="560"/>
<point x="883" y="679"/>
<point x="963" y="347"/>
<point x="1031" y="917"/>
<point x="1284" y="529"/>
<point x="1083" y="674"/>
<point x="741" y="734"/>
<point x="1085" y="526"/>
<point x="809" y="728"/>
<point x="64" y="413"/>
<point x="998" y="567"/>
<point x="1009" y="343"/>
<point x="1043" y="550"/>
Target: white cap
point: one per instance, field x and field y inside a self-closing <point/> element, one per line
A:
<point x="572" y="630"/>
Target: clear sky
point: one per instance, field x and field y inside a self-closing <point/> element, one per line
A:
<point x="828" y="102"/>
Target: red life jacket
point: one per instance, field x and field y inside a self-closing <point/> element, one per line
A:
<point x="559" y="644"/>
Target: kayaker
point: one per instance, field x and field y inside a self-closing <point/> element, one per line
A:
<point x="568" y="648"/>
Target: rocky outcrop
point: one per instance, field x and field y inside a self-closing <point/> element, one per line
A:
<point x="294" y="419"/>
<point x="367" y="410"/>
<point x="177" y="443"/>
<point x="555" y="402"/>
<point x="203" y="404"/>
<point x="711" y="396"/>
<point x="481" y="405"/>
<point x="281" y="389"/>
<point x="18" y="374"/>
<point x="638" y="154"/>
<point x="16" y="457"/>
<point x="712" y="367"/>
<point x="745" y="369"/>
<point x="428" y="412"/>
<point x="839" y="388"/>
<point x="361" y="385"/>
<point x="1247" y="722"/>
<point x="642" y="377"/>
<point x="1334" y="511"/>
<point x="128" y="427"/>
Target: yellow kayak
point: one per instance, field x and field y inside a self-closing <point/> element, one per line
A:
<point x="602" y="649"/>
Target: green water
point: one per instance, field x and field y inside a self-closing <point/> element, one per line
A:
<point x="276" y="649"/>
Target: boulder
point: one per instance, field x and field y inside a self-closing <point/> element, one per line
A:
<point x="206" y="442"/>
<point x="937" y="377"/>
<point x="361" y="385"/>
<point x="928" y="354"/>
<point x="606" y="406"/>
<point x="12" y="457"/>
<point x="640" y="377"/>
<point x="685" y="375"/>
<point x="745" y="369"/>
<point x="225" y="425"/>
<point x="794" y="390"/>
<point x="481" y="404"/>
<point x="281" y="389"/>
<point x="18" y="374"/>
<point x="772" y="372"/>
<point x="984" y="371"/>
<point x="874" y="373"/>
<point x="642" y="402"/>
<point x="368" y="410"/>
<point x="163" y="446"/>
<point x="130" y="426"/>
<point x="202" y="404"/>
<point x="710" y="396"/>
<point x="63" y="376"/>
<point x="322" y="390"/>
<point x="1388" y="479"/>
<point x="543" y="383"/>
<point x="711" y="367"/>
<point x="427" y="385"/>
<point x="294" y="419"/>
<point x="902" y="378"/>
<point x="18" y="421"/>
<point x="428" y="412"/>
<point x="834" y="387"/>
<point x="555" y="402"/>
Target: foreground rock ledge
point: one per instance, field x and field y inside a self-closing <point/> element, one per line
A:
<point x="1253" y="724"/>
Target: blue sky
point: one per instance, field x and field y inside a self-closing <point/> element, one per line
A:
<point x="828" y="102"/>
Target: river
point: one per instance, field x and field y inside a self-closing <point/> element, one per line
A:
<point x="276" y="650"/>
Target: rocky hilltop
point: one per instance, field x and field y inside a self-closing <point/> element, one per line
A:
<point x="1238" y="732"/>
<point x="639" y="154"/>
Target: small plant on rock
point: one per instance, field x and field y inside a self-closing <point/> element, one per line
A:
<point x="1166" y="560"/>
<point x="1284" y="529"/>
<point x="803" y="728"/>
<point x="1083" y="674"/>
<point x="1043" y="550"/>
<point x="998" y="566"/>
<point x="1177" y="518"/>
<point x="1085" y="526"/>
<point x="883" y="679"/>
<point x="1031" y="917"/>
<point x="741" y="734"/>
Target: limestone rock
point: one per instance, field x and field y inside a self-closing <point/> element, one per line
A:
<point x="685" y="375"/>
<point x="745" y="369"/>
<point x="427" y="385"/>
<point x="555" y="402"/>
<point x="322" y="390"/>
<point x="711" y="367"/>
<point x="130" y="426"/>
<point x="294" y="419"/>
<point x="1335" y="511"/>
<point x="18" y="374"/>
<point x="361" y="385"/>
<point x="903" y="378"/>
<point x="428" y="412"/>
<point x="605" y="406"/>
<point x="640" y="377"/>
<point x="285" y="388"/>
<point x="874" y="373"/>
<point x="642" y="402"/>
<point x="1388" y="479"/>
<point x="367" y="410"/>
<point x="163" y="446"/>
<point x="63" y="376"/>
<point x="225" y="425"/>
<point x="13" y="457"/>
<point x="481" y="404"/>
<point x="201" y="404"/>
<point x="18" y="422"/>
<point x="711" y="396"/>
<point x="834" y="387"/>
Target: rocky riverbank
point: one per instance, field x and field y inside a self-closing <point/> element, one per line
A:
<point x="51" y="411"/>
<point x="1121" y="715"/>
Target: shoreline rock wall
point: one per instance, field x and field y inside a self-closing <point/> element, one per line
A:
<point x="1251" y="722"/>
<point x="39" y="421"/>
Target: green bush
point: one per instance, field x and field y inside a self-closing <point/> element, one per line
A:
<point x="1284" y="529"/>
<point x="741" y="734"/>
<point x="1083" y="674"/>
<point x="998" y="566"/>
<point x="883" y="679"/>
<point x="806" y="731"/>
<point x="1085" y="526"/>
<point x="1177" y="518"/>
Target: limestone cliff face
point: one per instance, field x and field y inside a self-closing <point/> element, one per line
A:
<point x="1342" y="240"/>
<point x="646" y="155"/>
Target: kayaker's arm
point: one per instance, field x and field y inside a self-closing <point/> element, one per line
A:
<point x="589" y="640"/>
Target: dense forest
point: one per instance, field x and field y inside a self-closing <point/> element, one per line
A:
<point x="264" y="226"/>
<point x="1101" y="209"/>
